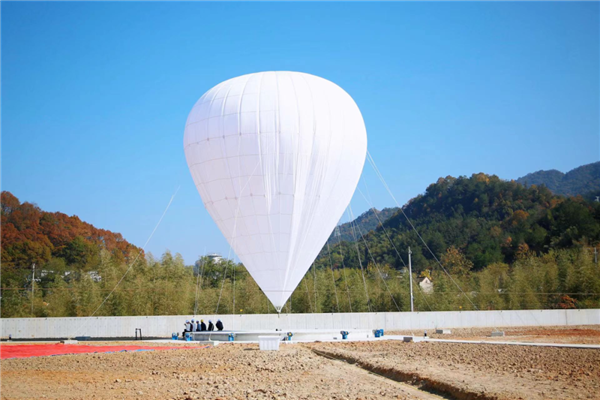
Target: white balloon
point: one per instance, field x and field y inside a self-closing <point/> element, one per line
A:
<point x="276" y="157"/>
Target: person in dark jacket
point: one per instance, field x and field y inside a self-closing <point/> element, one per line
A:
<point x="202" y="326"/>
<point x="219" y="325"/>
<point x="211" y="327"/>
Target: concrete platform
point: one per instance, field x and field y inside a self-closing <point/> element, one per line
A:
<point x="362" y="337"/>
<point x="298" y="335"/>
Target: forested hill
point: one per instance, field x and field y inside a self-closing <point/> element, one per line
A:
<point x="30" y="235"/>
<point x="579" y="181"/>
<point x="367" y="221"/>
<point x="484" y="218"/>
<point x="469" y="223"/>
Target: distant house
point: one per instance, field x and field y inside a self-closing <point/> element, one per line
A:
<point x="95" y="276"/>
<point x="216" y="258"/>
<point x="426" y="285"/>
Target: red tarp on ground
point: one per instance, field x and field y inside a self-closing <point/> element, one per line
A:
<point x="40" y="350"/>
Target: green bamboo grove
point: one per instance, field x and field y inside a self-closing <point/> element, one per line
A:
<point x="559" y="279"/>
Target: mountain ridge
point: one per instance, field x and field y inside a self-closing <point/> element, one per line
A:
<point x="366" y="222"/>
<point x="578" y="181"/>
<point x="485" y="218"/>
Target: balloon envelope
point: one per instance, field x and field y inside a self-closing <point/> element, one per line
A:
<point x="276" y="157"/>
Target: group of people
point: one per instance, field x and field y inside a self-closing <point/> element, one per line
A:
<point x="200" y="326"/>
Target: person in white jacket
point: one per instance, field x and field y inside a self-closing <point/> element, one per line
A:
<point x="188" y="328"/>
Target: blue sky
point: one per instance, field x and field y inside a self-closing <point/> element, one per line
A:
<point x="95" y="96"/>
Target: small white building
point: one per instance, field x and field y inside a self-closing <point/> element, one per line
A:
<point x="95" y="276"/>
<point x="426" y="285"/>
<point x="215" y="257"/>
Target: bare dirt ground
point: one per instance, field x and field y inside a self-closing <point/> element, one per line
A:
<point x="480" y="371"/>
<point x="369" y="370"/>
<point x="228" y="371"/>
<point x="588" y="334"/>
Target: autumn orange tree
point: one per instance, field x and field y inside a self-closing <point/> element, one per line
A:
<point x="30" y="235"/>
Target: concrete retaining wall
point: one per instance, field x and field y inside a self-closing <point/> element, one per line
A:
<point x="162" y="326"/>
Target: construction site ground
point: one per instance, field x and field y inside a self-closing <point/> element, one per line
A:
<point x="588" y="334"/>
<point x="340" y="370"/>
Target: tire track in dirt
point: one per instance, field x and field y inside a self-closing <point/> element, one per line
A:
<point x="423" y="387"/>
<point x="412" y="387"/>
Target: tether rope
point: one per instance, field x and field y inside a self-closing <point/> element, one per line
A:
<point x="315" y="287"/>
<point x="392" y="243"/>
<point x="378" y="173"/>
<point x="377" y="266"/>
<point x="308" y="295"/>
<point x="380" y="176"/>
<point x="359" y="259"/>
<point x="337" y="302"/>
<point x="233" y="289"/>
<point x="344" y="273"/>
<point x="137" y="256"/>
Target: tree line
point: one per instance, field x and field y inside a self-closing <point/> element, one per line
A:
<point x="491" y="244"/>
<point x="567" y="278"/>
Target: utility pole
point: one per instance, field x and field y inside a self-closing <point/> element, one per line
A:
<point x="32" y="286"/>
<point x="412" y="307"/>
